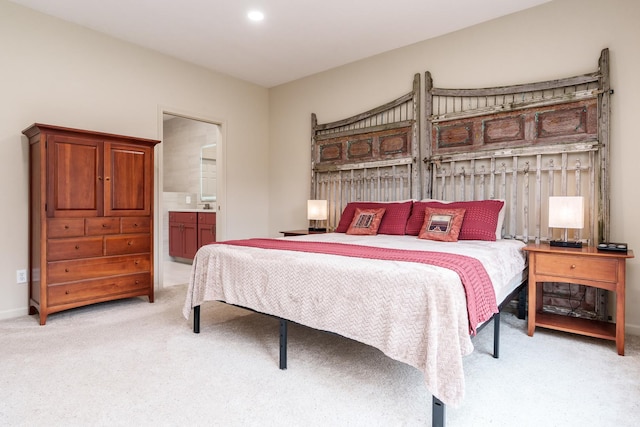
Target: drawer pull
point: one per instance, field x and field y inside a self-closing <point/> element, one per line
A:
<point x="129" y="243"/>
<point x="104" y="225"/>
<point x="66" y="270"/>
<point x="137" y="281"/>
<point x="136" y="262"/>
<point x="573" y="266"/>
<point x="77" y="246"/>
<point x="66" y="227"/>
<point x="67" y="292"/>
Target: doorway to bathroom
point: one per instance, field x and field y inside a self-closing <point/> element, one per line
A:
<point x="191" y="179"/>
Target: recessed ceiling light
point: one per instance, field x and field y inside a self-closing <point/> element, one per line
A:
<point x="255" y="15"/>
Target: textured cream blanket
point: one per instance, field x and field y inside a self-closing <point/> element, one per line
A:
<point x="414" y="313"/>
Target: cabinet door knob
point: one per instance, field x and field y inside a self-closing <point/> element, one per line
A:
<point x="99" y="178"/>
<point x="106" y="178"/>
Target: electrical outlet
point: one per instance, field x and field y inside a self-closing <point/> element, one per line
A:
<point x="188" y="200"/>
<point x="21" y="276"/>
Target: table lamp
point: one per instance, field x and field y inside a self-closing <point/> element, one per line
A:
<point x="316" y="211"/>
<point x="566" y="212"/>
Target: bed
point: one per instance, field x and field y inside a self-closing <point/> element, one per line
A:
<point x="512" y="146"/>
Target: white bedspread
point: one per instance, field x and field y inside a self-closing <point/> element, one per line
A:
<point x="414" y="313"/>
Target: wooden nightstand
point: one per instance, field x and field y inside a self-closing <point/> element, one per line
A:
<point x="302" y="232"/>
<point x="584" y="266"/>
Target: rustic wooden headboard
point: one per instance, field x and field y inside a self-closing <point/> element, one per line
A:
<point x="520" y="143"/>
<point x="371" y="156"/>
<point x="523" y="143"/>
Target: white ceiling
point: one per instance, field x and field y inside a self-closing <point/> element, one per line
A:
<point x="297" y="37"/>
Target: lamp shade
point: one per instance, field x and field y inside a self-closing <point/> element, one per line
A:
<point x="317" y="209"/>
<point x="566" y="211"/>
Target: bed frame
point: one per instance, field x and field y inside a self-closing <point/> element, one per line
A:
<point x="520" y="143"/>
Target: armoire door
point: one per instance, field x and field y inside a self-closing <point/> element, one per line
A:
<point x="127" y="179"/>
<point x="74" y="171"/>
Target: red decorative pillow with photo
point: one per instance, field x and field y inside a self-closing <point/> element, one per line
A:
<point x="442" y="224"/>
<point x="480" y="219"/>
<point x="394" y="220"/>
<point x="366" y="221"/>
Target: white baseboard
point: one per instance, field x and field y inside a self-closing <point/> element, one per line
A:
<point x="13" y="313"/>
<point x="632" y="329"/>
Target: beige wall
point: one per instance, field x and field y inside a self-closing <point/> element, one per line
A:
<point x="59" y="73"/>
<point x="555" y="40"/>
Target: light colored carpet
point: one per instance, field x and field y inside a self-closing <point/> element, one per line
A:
<point x="134" y="363"/>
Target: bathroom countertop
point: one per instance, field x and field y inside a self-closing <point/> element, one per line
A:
<point x="193" y="210"/>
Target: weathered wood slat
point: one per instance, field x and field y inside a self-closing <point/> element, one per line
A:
<point x="359" y="131"/>
<point x="515" y="89"/>
<point x="319" y="128"/>
<point x="513" y="106"/>
<point x="369" y="165"/>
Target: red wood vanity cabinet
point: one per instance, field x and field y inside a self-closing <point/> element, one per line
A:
<point x="188" y="231"/>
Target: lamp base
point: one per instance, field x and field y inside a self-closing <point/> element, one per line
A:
<point x="565" y="244"/>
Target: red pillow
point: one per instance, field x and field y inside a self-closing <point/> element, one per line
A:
<point x="366" y="221"/>
<point x="442" y="224"/>
<point x="394" y="220"/>
<point x="479" y="223"/>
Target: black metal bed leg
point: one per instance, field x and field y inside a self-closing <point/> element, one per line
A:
<point x="438" y="413"/>
<point x="522" y="302"/>
<point x="496" y="335"/>
<point x="283" y="344"/>
<point x="196" y="319"/>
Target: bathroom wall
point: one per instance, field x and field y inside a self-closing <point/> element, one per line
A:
<point x="182" y="142"/>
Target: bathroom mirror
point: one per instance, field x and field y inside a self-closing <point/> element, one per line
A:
<point x="208" y="173"/>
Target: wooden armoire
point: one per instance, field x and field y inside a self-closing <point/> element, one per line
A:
<point x="91" y="218"/>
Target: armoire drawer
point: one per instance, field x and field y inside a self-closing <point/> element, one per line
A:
<point x="65" y="227"/>
<point x="97" y="289"/>
<point x="127" y="244"/>
<point x="101" y="225"/>
<point x="91" y="268"/>
<point x="81" y="247"/>
<point x="136" y="225"/>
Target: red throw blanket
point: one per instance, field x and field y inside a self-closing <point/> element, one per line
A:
<point x="481" y="300"/>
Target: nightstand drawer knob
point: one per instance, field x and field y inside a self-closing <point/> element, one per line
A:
<point x="573" y="266"/>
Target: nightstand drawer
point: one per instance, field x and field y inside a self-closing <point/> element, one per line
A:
<point x="577" y="267"/>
